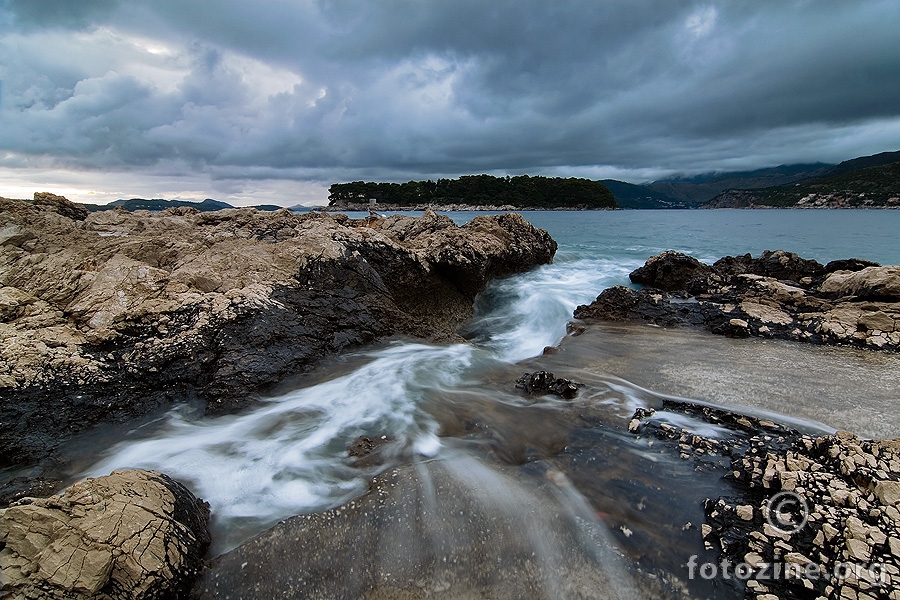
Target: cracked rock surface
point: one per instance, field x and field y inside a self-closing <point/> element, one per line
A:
<point x="132" y="534"/>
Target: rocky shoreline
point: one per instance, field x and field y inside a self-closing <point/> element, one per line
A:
<point x="817" y="516"/>
<point x="113" y="315"/>
<point x="777" y="295"/>
<point x="218" y="306"/>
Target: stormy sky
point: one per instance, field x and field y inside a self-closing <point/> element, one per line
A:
<point x="272" y="101"/>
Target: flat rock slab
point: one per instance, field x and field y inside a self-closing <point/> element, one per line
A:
<point x="443" y="529"/>
<point x="774" y="376"/>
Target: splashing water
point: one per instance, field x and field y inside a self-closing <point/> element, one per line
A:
<point x="289" y="456"/>
<point x="518" y="317"/>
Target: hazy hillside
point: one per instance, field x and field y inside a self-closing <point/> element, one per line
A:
<point x="872" y="186"/>
<point x="700" y="189"/>
<point x="629" y="195"/>
<point x="158" y="204"/>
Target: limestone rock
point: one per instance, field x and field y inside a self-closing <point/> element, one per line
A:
<point x="60" y="205"/>
<point x="12" y="234"/>
<point x="778" y="295"/>
<point x="871" y="283"/>
<point x="131" y="534"/>
<point x="888" y="492"/>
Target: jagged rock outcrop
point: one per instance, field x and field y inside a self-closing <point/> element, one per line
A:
<point x="778" y="295"/>
<point x="116" y="315"/>
<point x="130" y="535"/>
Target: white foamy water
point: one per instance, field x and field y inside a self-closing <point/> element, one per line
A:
<point x="517" y="317"/>
<point x="289" y="456"/>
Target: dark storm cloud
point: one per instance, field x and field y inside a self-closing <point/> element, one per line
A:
<point x="68" y="13"/>
<point x="391" y="90"/>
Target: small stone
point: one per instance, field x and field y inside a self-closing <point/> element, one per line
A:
<point x="859" y="550"/>
<point x="744" y="512"/>
<point x="888" y="492"/>
<point x="856" y="529"/>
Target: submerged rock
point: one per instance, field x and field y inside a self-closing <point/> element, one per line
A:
<point x="778" y="295"/>
<point x="442" y="529"/>
<point x="116" y="315"/>
<point x="129" y="535"/>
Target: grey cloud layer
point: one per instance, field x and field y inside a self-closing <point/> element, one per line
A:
<point x="334" y="90"/>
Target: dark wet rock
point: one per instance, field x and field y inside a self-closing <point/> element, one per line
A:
<point x="669" y="271"/>
<point x="777" y="265"/>
<point x="849" y="264"/>
<point x="778" y="295"/>
<point x="544" y="382"/>
<point x="119" y="314"/>
<point x="27" y="487"/>
<point x="129" y="535"/>
<point x="367" y="451"/>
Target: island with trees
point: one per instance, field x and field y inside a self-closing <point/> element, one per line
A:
<point x="475" y="192"/>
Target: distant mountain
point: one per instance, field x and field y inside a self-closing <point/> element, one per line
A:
<point x="699" y="189"/>
<point x="869" y="181"/>
<point x="158" y="204"/>
<point x="855" y="164"/>
<point x="629" y="195"/>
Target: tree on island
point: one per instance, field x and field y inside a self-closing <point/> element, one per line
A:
<point x="520" y="191"/>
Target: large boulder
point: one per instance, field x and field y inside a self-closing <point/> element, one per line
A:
<point x="669" y="271"/>
<point x="129" y="535"/>
<point x="871" y="283"/>
<point x="777" y="265"/>
<point x="61" y="205"/>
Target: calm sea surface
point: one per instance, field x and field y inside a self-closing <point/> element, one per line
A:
<point x="822" y="235"/>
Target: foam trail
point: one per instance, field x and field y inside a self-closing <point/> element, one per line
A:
<point x="289" y="455"/>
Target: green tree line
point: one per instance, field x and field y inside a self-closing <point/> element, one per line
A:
<point x="520" y="191"/>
